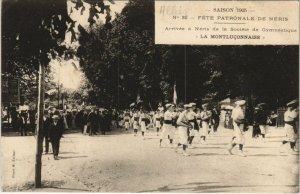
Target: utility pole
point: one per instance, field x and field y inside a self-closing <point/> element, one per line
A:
<point x="58" y="92"/>
<point x="58" y="84"/>
<point x="37" y="99"/>
<point x="62" y="100"/>
<point x="40" y="127"/>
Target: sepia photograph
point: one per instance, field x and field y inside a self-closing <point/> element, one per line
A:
<point x="149" y="96"/>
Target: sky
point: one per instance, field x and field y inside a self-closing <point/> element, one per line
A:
<point x="68" y="72"/>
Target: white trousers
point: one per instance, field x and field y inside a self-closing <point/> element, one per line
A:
<point x="193" y="131"/>
<point x="182" y="134"/>
<point x="204" y="130"/>
<point x="143" y="126"/>
<point x="290" y="133"/>
<point x="262" y="129"/>
<point x="135" y="125"/>
<point x="168" y="129"/>
<point x="157" y="124"/>
<point x="237" y="134"/>
<point x="126" y="124"/>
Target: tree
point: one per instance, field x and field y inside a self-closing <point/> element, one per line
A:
<point x="122" y="61"/>
<point x="265" y="72"/>
<point x="32" y="30"/>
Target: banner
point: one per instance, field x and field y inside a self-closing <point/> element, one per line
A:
<point x="227" y="22"/>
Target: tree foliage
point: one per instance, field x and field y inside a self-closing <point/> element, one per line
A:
<point x="121" y="61"/>
<point x="33" y="31"/>
<point x="268" y="73"/>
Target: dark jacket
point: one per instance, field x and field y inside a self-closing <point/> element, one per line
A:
<point x="215" y="115"/>
<point x="79" y="119"/>
<point x="261" y="117"/>
<point x="55" y="131"/>
<point x="92" y="119"/>
<point x="47" y="124"/>
<point x="19" y="122"/>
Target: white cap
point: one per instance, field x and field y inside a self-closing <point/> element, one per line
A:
<point x="293" y="102"/>
<point x="161" y="108"/>
<point x="240" y="102"/>
<point x="193" y="104"/>
<point x="187" y="106"/>
<point x="204" y="105"/>
<point x="169" y="105"/>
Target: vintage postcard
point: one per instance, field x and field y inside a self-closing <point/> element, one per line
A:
<point x="176" y="96"/>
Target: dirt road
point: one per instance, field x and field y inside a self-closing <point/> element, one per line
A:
<point x="120" y="162"/>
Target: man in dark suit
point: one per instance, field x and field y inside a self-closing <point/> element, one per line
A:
<point x="216" y="119"/>
<point x="19" y="123"/>
<point x="101" y="122"/>
<point x="92" y="122"/>
<point x="261" y="119"/>
<point x="79" y="120"/>
<point x="55" y="134"/>
<point x="24" y="115"/>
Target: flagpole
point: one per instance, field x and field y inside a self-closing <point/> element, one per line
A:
<point x="174" y="94"/>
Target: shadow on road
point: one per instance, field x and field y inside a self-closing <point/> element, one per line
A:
<point x="209" y="187"/>
<point x="64" y="189"/>
<point x="260" y="147"/>
<point x="269" y="155"/>
<point x="210" y="147"/>
<point x="219" y="143"/>
<point x="69" y="152"/>
<point x="209" y="154"/>
<point x="68" y="157"/>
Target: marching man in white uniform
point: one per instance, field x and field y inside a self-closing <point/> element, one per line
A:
<point x="157" y="119"/>
<point x="126" y="120"/>
<point x="205" y="117"/>
<point x="192" y="119"/>
<point x="238" y="118"/>
<point x="168" y="129"/>
<point x="142" y="122"/>
<point x="291" y="124"/>
<point x="198" y="117"/>
<point x="135" y="122"/>
<point x="183" y="127"/>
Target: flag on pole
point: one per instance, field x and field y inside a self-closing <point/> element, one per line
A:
<point x="175" y="94"/>
<point x="138" y="98"/>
